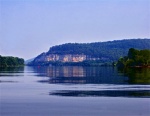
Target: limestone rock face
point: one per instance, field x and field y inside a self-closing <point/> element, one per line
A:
<point x="62" y="58"/>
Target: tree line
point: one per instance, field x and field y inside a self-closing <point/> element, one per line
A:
<point x="9" y="61"/>
<point x="135" y="58"/>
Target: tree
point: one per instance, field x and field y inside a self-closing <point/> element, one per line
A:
<point x="135" y="58"/>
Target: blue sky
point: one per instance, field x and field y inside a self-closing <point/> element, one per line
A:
<point x="30" y="27"/>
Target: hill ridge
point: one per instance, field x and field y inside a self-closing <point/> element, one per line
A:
<point x="110" y="50"/>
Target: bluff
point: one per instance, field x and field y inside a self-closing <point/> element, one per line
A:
<point x="103" y="51"/>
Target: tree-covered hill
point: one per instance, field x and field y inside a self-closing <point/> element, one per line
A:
<point x="112" y="50"/>
<point x="9" y="61"/>
<point x="103" y="52"/>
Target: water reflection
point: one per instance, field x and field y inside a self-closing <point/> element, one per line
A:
<point x="103" y="93"/>
<point x="7" y="81"/>
<point x="94" y="75"/>
<point x="77" y="81"/>
<point x="11" y="71"/>
<point x="137" y="75"/>
<point x="81" y="75"/>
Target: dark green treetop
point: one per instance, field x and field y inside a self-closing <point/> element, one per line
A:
<point x="135" y="58"/>
<point x="9" y="61"/>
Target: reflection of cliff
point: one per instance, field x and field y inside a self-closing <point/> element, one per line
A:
<point x="79" y="75"/>
<point x="65" y="72"/>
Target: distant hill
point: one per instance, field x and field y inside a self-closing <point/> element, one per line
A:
<point x="110" y="50"/>
<point x="29" y="60"/>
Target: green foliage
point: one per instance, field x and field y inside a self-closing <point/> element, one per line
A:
<point x="10" y="61"/>
<point x="135" y="58"/>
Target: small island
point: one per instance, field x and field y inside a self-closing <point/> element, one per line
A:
<point x="10" y="61"/>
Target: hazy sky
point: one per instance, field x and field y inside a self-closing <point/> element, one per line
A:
<point x="30" y="27"/>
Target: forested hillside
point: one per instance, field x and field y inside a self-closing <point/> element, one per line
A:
<point x="97" y="53"/>
<point x="112" y="50"/>
<point x="9" y="61"/>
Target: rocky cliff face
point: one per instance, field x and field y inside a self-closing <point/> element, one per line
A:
<point x="66" y="58"/>
<point x="62" y="58"/>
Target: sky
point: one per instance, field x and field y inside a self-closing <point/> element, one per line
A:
<point x="30" y="27"/>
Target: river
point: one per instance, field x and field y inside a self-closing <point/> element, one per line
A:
<point x="74" y="91"/>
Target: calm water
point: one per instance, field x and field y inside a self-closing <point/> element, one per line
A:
<point x="74" y="91"/>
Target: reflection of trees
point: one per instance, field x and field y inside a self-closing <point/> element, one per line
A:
<point x="137" y="75"/>
<point x="79" y="74"/>
<point x="108" y="93"/>
<point x="95" y="75"/>
<point x="12" y="69"/>
<point x="11" y="72"/>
